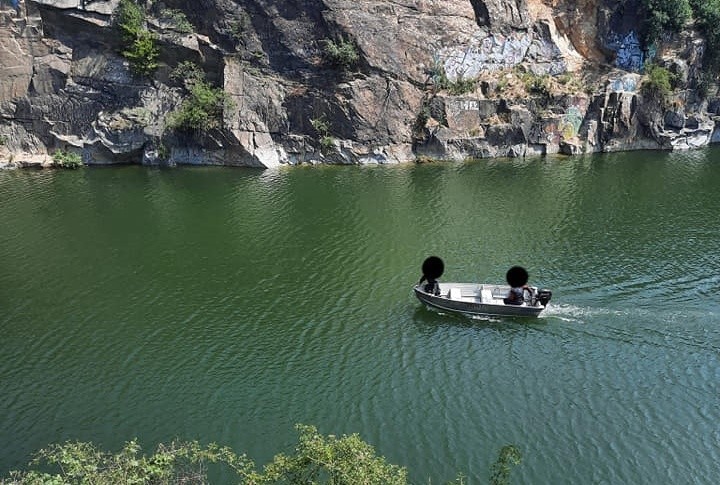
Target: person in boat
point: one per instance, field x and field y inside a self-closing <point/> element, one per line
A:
<point x="432" y="269"/>
<point x="517" y="278"/>
<point x="432" y="286"/>
<point x="516" y="295"/>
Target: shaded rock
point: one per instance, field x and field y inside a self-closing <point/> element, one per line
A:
<point x="675" y="119"/>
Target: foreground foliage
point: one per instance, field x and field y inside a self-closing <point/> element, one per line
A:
<point x="318" y="459"/>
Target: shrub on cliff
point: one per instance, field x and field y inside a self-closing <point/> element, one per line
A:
<point x="458" y="87"/>
<point x="342" y="54"/>
<point x="139" y="44"/>
<point x="658" y="83"/>
<point x="176" y="20"/>
<point x="66" y="159"/>
<point x="203" y="107"/>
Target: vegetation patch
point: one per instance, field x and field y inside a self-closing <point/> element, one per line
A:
<point x="203" y="106"/>
<point x="239" y="27"/>
<point x="66" y="159"/>
<point x="665" y="15"/>
<point x="176" y="20"/>
<point x="671" y="16"/>
<point x="458" y="87"/>
<point x="163" y="151"/>
<point x="659" y="82"/>
<point x="536" y="84"/>
<point x="343" y="53"/>
<point x="707" y="13"/>
<point x="322" y="126"/>
<point x="139" y="44"/>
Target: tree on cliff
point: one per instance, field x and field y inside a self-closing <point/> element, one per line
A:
<point x="665" y="15"/>
<point x="140" y="45"/>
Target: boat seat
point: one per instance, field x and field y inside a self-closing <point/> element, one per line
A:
<point x="486" y="296"/>
<point x="500" y="292"/>
<point x="454" y="293"/>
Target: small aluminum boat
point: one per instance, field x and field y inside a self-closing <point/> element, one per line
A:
<point x="483" y="299"/>
<point x="478" y="298"/>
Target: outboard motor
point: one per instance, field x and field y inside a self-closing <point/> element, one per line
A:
<point x="543" y="296"/>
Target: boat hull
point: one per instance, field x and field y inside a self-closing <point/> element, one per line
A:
<point x="477" y="299"/>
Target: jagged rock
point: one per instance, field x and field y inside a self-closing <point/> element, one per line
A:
<point x="500" y="14"/>
<point x="571" y="147"/>
<point x="104" y="7"/>
<point x="64" y="82"/>
<point x="675" y="119"/>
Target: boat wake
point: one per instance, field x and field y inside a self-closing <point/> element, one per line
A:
<point x="574" y="313"/>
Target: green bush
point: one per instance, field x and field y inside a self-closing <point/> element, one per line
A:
<point x="322" y="126"/>
<point x="536" y="84"/>
<point x="665" y="15"/>
<point x="203" y="107"/>
<point x="658" y="83"/>
<point x="177" y="20"/>
<point x="130" y="19"/>
<point x="139" y="44"/>
<point x="328" y="459"/>
<point x="66" y="159"/>
<point x="317" y="459"/>
<point x="143" y="53"/>
<point x="83" y="463"/>
<point x="188" y="73"/>
<point x="462" y="86"/>
<point x="458" y="87"/>
<point x="707" y="13"/>
<point x="343" y="53"/>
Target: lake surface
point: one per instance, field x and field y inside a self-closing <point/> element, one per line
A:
<point x="227" y="305"/>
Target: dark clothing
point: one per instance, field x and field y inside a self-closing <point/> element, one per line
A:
<point x="432" y="287"/>
<point x="516" y="296"/>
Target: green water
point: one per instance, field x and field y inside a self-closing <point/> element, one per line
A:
<point x="227" y="305"/>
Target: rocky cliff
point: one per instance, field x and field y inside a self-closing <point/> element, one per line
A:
<point x="339" y="81"/>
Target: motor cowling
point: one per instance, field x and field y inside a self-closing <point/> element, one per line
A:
<point x="544" y="296"/>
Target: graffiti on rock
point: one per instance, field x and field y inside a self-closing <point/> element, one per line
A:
<point x="569" y="125"/>
<point x="493" y="52"/>
<point x="485" y="53"/>
<point x="553" y="130"/>
<point x="628" y="53"/>
<point x="624" y="84"/>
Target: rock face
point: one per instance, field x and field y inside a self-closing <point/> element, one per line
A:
<point x="446" y="79"/>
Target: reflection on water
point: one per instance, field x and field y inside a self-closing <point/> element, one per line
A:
<point x="227" y="305"/>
